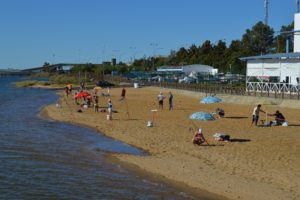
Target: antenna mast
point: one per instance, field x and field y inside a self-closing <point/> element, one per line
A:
<point x="266" y="5"/>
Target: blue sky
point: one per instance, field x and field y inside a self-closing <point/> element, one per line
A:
<point x="36" y="31"/>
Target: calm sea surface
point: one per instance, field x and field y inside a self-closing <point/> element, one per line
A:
<point x="43" y="159"/>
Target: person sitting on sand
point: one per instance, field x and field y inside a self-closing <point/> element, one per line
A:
<point x="279" y="118"/>
<point x="255" y="114"/>
<point x="220" y="112"/>
<point x="199" y="138"/>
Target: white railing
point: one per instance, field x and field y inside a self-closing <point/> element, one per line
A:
<point x="272" y="87"/>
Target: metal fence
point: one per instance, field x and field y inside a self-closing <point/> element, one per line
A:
<point x="211" y="89"/>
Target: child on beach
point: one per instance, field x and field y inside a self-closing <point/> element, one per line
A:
<point x="255" y="114"/>
<point x="199" y="138"/>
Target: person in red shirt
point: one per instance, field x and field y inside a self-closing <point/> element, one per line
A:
<point x="199" y="138"/>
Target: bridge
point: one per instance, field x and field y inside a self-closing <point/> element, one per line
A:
<point x="13" y="72"/>
<point x="55" y="67"/>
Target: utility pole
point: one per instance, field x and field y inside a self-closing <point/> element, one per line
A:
<point x="266" y="5"/>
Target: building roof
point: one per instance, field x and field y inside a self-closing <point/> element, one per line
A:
<point x="207" y="67"/>
<point x="273" y="56"/>
<point x="170" y="67"/>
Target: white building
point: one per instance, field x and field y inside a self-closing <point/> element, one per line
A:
<point x="187" y="69"/>
<point x="275" y="72"/>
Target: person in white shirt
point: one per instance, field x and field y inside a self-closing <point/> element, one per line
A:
<point x="160" y="98"/>
<point x="255" y="114"/>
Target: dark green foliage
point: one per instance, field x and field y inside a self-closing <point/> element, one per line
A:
<point x="256" y="41"/>
<point x="259" y="40"/>
<point x="281" y="39"/>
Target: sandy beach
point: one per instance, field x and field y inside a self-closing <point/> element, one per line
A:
<point x="261" y="163"/>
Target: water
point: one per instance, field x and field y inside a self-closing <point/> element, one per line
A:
<point x="43" y="159"/>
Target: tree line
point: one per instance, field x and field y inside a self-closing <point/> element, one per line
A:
<point x="259" y="40"/>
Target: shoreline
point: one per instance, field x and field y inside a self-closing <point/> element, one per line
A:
<point x="236" y="170"/>
<point x="115" y="157"/>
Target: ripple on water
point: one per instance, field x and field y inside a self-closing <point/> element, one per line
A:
<point x="42" y="159"/>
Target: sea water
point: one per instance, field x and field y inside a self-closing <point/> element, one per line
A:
<point x="46" y="159"/>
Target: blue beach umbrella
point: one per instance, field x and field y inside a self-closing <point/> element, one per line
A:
<point x="210" y="99"/>
<point x="202" y="116"/>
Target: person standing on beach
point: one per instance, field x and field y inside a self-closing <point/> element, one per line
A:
<point x="255" y="115"/>
<point x="170" y="101"/>
<point x="109" y="109"/>
<point x="160" y="98"/>
<point x="123" y="93"/>
<point x="67" y="91"/>
<point x="96" y="104"/>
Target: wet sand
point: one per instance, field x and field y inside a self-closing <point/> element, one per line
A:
<point x="259" y="163"/>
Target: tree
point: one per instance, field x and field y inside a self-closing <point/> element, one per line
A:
<point x="233" y="53"/>
<point x="205" y="55"/>
<point x="218" y="55"/>
<point x="281" y="39"/>
<point x="258" y="40"/>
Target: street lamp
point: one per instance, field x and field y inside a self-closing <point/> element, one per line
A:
<point x="53" y="59"/>
<point x="133" y="55"/>
<point x="153" y="46"/>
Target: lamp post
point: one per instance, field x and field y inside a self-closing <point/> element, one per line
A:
<point x="153" y="46"/>
<point x="133" y="55"/>
<point x="53" y="59"/>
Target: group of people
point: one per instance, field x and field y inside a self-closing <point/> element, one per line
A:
<point x="198" y="137"/>
<point x="279" y="118"/>
<point x="161" y="98"/>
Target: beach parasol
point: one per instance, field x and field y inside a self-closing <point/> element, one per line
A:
<point x="82" y="94"/>
<point x="202" y="116"/>
<point x="210" y="99"/>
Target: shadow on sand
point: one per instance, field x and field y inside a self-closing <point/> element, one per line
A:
<point x="294" y="125"/>
<point x="239" y="140"/>
<point x="236" y="117"/>
<point x="211" y="145"/>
